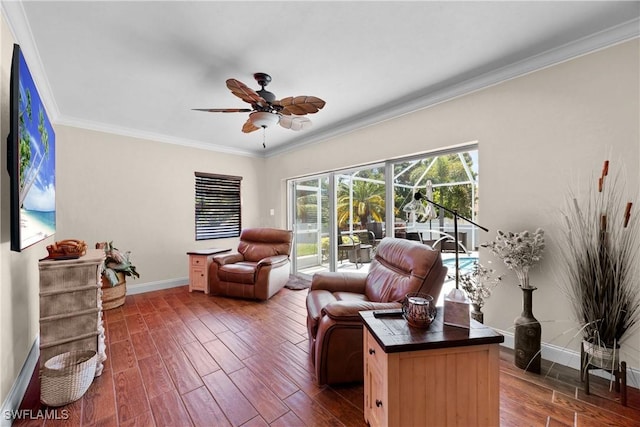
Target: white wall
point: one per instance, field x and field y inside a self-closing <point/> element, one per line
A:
<point x="19" y="308"/>
<point x="140" y="195"/>
<point x="537" y="134"/>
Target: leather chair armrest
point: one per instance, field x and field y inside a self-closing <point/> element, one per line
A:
<point x="348" y="310"/>
<point x="228" y="258"/>
<point x="338" y="282"/>
<point x="274" y="261"/>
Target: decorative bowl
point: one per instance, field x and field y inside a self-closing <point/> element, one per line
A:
<point x="418" y="309"/>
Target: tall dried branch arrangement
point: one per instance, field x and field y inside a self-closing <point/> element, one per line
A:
<point x="600" y="250"/>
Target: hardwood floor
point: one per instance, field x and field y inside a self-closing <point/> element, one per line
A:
<point x="179" y="359"/>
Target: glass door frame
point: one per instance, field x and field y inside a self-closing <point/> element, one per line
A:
<point x="389" y="179"/>
<point x="293" y="223"/>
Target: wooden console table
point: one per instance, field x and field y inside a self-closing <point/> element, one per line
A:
<point x="199" y="262"/>
<point x="438" y="376"/>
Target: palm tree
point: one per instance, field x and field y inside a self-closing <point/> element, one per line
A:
<point x="368" y="202"/>
<point x="448" y="168"/>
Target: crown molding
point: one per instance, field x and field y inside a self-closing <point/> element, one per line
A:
<point x="150" y="136"/>
<point x="19" y="27"/>
<point x="586" y="45"/>
<point x="629" y="30"/>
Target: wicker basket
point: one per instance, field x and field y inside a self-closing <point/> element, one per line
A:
<point x="66" y="377"/>
<point x="113" y="296"/>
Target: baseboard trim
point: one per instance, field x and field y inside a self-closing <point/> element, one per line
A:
<point x="566" y="357"/>
<point x="19" y="388"/>
<point x="134" y="288"/>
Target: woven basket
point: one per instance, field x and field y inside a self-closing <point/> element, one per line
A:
<point x="113" y="296"/>
<point x="66" y="377"/>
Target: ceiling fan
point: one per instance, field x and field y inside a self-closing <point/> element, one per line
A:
<point x="266" y="110"/>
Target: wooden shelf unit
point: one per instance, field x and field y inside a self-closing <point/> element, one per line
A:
<point x="71" y="307"/>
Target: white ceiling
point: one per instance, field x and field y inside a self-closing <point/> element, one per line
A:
<point x="138" y="68"/>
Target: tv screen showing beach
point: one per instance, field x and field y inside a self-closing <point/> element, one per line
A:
<point x="36" y="163"/>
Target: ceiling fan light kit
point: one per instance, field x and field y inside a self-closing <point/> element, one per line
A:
<point x="264" y="119"/>
<point x="266" y="110"/>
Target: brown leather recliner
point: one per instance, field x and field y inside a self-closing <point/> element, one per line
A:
<point x="258" y="269"/>
<point x="335" y="329"/>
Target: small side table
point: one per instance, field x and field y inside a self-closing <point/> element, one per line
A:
<point x="430" y="377"/>
<point x="199" y="262"/>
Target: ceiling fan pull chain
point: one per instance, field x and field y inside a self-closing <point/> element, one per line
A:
<point x="264" y="136"/>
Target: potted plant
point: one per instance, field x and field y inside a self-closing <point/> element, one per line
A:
<point x="600" y="250"/>
<point x="520" y="252"/>
<point x="478" y="284"/>
<point x="117" y="266"/>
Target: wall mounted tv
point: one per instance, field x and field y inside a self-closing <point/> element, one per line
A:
<point x="30" y="160"/>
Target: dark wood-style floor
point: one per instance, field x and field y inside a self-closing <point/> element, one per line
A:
<point x="179" y="359"/>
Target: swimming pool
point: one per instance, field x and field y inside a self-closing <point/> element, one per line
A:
<point x="465" y="263"/>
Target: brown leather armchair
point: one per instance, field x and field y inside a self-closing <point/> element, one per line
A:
<point x="258" y="269"/>
<point x="335" y="329"/>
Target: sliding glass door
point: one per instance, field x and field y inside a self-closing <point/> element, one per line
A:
<point x="311" y="217"/>
<point x="340" y="217"/>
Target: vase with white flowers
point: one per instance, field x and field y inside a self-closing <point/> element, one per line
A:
<point x="478" y="284"/>
<point x="519" y="252"/>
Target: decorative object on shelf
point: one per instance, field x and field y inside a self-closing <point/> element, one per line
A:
<point x="600" y="249"/>
<point x="418" y="309"/>
<point x="66" y="377"/>
<point x="117" y="266"/>
<point x="520" y="252"/>
<point x="67" y="249"/>
<point x="478" y="283"/>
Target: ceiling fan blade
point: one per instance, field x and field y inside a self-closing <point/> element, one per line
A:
<point x="245" y="93"/>
<point x="295" y="122"/>
<point x="249" y="127"/>
<point x="224" y="110"/>
<point x="300" y="105"/>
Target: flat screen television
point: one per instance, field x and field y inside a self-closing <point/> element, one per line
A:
<point x="31" y="160"/>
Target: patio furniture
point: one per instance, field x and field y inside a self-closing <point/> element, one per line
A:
<point x="349" y="249"/>
<point x="366" y="242"/>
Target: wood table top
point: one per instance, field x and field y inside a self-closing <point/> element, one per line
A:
<point x="394" y="334"/>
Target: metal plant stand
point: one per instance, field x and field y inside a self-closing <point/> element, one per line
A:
<point x="589" y="362"/>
